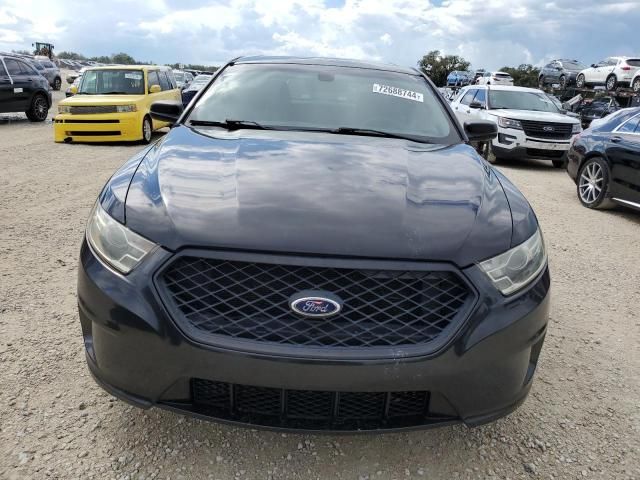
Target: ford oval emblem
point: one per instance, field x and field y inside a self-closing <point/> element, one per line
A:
<point x="548" y="129"/>
<point x="315" y="304"/>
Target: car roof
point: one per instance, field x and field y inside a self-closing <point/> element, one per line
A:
<point x="505" y="87"/>
<point x="128" y="67"/>
<point x="327" y="61"/>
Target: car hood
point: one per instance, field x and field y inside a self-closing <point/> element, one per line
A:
<point x="532" y="115"/>
<point x="321" y="194"/>
<point x="93" y="100"/>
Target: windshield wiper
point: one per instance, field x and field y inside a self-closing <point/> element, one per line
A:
<point x="115" y="93"/>
<point x="230" y="124"/>
<point x="372" y="132"/>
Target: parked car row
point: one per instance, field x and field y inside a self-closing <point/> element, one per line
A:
<point x="23" y="88"/>
<point x="44" y="66"/>
<point x="612" y="72"/>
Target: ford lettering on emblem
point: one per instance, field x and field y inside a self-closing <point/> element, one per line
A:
<point x="548" y="129"/>
<point x="315" y="303"/>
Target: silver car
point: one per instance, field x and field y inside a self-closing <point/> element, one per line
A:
<point x="49" y="70"/>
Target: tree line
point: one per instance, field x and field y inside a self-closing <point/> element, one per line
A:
<point x="438" y="66"/>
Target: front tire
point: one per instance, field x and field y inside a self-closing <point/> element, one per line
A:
<point x="486" y="151"/>
<point x="580" y="81"/>
<point x="593" y="184"/>
<point x="39" y="109"/>
<point x="147" y="130"/>
<point x="612" y="82"/>
<point x="636" y="85"/>
<point x="563" y="82"/>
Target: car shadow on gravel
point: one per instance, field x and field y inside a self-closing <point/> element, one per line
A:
<point x="529" y="164"/>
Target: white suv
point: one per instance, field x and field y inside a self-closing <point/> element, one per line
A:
<point x="611" y="72"/>
<point x="530" y="125"/>
<point x="495" y="78"/>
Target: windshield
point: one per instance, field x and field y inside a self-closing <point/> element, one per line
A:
<point x="573" y="65"/>
<point x="179" y="76"/>
<point x="327" y="98"/>
<point x="520" y="100"/>
<point x="105" y="82"/>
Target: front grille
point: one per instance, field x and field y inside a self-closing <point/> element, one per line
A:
<point x="537" y="129"/>
<point x="309" y="408"/>
<point x="81" y="110"/>
<point x="536" y="152"/>
<point x="250" y="301"/>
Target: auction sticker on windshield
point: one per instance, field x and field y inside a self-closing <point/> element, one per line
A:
<point x="397" y="92"/>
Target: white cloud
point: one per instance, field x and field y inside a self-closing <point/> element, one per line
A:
<point x="489" y="33"/>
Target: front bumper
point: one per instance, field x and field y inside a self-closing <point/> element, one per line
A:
<point x="514" y="144"/>
<point x="135" y="351"/>
<point x="115" y="127"/>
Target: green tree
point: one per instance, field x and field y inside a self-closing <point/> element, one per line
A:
<point x="71" y="56"/>
<point x="524" y="75"/>
<point x="438" y="66"/>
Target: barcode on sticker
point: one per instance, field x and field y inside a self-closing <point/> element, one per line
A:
<point x="397" y="92"/>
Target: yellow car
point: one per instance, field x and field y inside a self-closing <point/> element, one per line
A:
<point x="112" y="104"/>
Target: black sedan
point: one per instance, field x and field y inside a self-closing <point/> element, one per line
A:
<point x="194" y="87"/>
<point x="315" y="245"/>
<point x="598" y="108"/>
<point x="604" y="161"/>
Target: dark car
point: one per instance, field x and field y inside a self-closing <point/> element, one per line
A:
<point x="194" y="87"/>
<point x="459" y="78"/>
<point x="598" y="108"/>
<point x="315" y="245"/>
<point x="561" y="72"/>
<point x="604" y="161"/>
<point x="23" y="89"/>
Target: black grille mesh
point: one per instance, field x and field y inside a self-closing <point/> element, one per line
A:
<point x="250" y="301"/>
<point x="92" y="109"/>
<point x="546" y="129"/>
<point x="307" y="408"/>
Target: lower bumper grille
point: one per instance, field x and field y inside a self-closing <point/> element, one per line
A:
<point x="306" y="409"/>
<point x="536" y="152"/>
<point x="84" y="133"/>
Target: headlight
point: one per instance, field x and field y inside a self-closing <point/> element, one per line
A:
<point x="114" y="243"/>
<point x="577" y="128"/>
<point x="509" y="123"/>
<point x="516" y="268"/>
<point x="64" y="109"/>
<point x="126" y="108"/>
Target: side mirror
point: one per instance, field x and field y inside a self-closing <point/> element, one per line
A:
<point x="166" y="111"/>
<point x="70" y="80"/>
<point x="593" y="65"/>
<point x="73" y="90"/>
<point x="480" y="130"/>
<point x="475" y="104"/>
<point x="155" y="89"/>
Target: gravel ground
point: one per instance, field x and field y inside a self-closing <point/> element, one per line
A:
<point x="582" y="419"/>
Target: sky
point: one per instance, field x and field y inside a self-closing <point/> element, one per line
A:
<point x="488" y="33"/>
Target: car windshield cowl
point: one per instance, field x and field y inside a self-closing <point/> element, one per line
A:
<point x="248" y="124"/>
